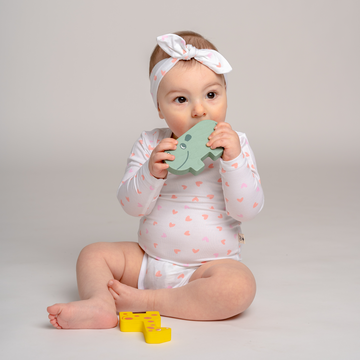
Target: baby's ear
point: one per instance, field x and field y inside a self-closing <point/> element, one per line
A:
<point x="161" y="116"/>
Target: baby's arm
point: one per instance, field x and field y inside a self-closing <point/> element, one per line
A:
<point x="240" y="180"/>
<point x="139" y="189"/>
<point x="241" y="185"/>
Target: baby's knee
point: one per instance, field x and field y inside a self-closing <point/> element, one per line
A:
<point x="244" y="290"/>
<point x="239" y="290"/>
<point x="93" y="250"/>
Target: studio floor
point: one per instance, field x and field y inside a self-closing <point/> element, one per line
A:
<point x="303" y="250"/>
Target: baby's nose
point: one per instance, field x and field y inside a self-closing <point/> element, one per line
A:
<point x="198" y="110"/>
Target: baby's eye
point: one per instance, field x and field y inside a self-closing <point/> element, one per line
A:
<point x="180" y="99"/>
<point x="211" y="95"/>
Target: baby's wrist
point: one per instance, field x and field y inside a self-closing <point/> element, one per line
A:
<point x="234" y="163"/>
<point x="231" y="157"/>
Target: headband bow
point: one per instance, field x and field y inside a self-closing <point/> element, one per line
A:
<point x="177" y="48"/>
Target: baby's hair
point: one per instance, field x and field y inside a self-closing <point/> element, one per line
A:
<point x="190" y="37"/>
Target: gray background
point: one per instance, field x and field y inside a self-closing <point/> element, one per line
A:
<point x="74" y="96"/>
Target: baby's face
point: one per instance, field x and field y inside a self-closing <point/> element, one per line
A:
<point x="190" y="94"/>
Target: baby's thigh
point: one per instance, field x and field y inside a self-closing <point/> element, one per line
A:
<point x="231" y="271"/>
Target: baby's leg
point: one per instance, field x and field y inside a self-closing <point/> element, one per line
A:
<point x="97" y="263"/>
<point x="217" y="290"/>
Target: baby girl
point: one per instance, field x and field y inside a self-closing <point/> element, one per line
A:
<point x="187" y="261"/>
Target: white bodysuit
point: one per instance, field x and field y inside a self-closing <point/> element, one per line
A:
<point x="185" y="219"/>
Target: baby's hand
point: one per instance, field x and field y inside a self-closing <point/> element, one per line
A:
<point x="156" y="165"/>
<point x="224" y="136"/>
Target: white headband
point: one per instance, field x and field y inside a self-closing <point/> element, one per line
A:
<point x="176" y="47"/>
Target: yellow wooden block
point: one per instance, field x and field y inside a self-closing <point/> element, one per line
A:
<point x="148" y="323"/>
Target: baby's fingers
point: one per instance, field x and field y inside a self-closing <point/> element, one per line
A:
<point x="166" y="144"/>
<point x="157" y="166"/>
<point x="159" y="170"/>
<point x="161" y="156"/>
<point x="221" y="128"/>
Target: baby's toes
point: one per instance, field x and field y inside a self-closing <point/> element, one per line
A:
<point x="54" y="323"/>
<point x="114" y="294"/>
<point x="114" y="288"/>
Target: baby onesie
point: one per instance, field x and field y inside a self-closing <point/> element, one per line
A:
<point x="185" y="219"/>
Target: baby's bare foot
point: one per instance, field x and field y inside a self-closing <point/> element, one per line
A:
<point x="85" y="314"/>
<point x="128" y="298"/>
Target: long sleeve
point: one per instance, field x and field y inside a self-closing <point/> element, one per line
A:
<point x="139" y="190"/>
<point x="241" y="185"/>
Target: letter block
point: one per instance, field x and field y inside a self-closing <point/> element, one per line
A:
<point x="148" y="323"/>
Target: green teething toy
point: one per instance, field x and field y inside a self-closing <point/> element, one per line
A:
<point x="192" y="150"/>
